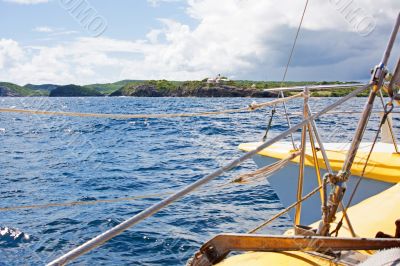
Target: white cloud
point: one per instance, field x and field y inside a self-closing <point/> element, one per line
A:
<point x="238" y="38"/>
<point x="10" y="53"/>
<point x="54" y="31"/>
<point x="27" y="2"/>
<point x="64" y="32"/>
<point x="153" y="35"/>
<point x="43" y="29"/>
<point x="155" y="3"/>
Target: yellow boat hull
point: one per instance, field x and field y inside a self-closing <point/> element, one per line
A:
<point x="382" y="172"/>
<point x="383" y="165"/>
<point x="370" y="216"/>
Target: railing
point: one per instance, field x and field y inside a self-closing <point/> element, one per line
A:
<point x="104" y="237"/>
<point x="308" y="123"/>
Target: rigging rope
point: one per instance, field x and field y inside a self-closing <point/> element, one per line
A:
<point x="337" y="112"/>
<point x="294" y="43"/>
<point x="286" y="133"/>
<point x="285" y="210"/>
<point x="388" y="109"/>
<point x="265" y="171"/>
<point x="250" y="108"/>
<point x="244" y="178"/>
<point x="79" y="203"/>
<point x="273" y="111"/>
<point x="138" y="217"/>
<point x="285" y="73"/>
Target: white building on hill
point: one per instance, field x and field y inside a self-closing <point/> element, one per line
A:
<point x="217" y="80"/>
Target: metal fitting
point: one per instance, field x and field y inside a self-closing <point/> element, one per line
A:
<point x="342" y="176"/>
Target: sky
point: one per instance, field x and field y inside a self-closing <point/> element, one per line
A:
<point x="102" y="41"/>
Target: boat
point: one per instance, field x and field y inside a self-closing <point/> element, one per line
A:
<point x="343" y="198"/>
<point x="382" y="172"/>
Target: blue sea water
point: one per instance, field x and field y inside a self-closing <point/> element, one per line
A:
<point x="52" y="159"/>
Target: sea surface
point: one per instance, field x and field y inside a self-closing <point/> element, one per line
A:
<point x="55" y="159"/>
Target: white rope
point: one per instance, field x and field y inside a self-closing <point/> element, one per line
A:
<point x="265" y="171"/>
<point x="118" y="229"/>
<point x="250" y="108"/>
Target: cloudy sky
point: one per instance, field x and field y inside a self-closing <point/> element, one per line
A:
<point x="88" y="41"/>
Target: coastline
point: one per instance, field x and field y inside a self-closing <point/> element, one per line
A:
<point x="164" y="88"/>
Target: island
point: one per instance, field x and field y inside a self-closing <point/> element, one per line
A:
<point x="216" y="87"/>
<point x="74" y="91"/>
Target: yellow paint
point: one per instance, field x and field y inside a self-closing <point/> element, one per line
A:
<point x="382" y="166"/>
<point x="275" y="258"/>
<point x="377" y="213"/>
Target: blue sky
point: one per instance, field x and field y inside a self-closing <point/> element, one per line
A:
<point x="125" y="19"/>
<point x="48" y="41"/>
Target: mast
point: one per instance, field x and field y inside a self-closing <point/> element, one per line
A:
<point x="339" y="180"/>
<point x="395" y="79"/>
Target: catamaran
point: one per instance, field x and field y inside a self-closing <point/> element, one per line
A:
<point x="343" y="198"/>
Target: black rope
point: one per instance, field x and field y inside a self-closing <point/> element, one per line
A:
<point x="273" y="111"/>
<point x="287" y="68"/>
<point x="294" y="43"/>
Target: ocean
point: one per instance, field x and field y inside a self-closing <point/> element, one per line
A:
<point x="55" y="159"/>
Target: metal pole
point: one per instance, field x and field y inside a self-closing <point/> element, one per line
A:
<point x="300" y="182"/>
<point x="288" y="120"/>
<point x="340" y="185"/>
<point x="320" y="143"/>
<point x="104" y="237"/>
<point x="330" y="171"/>
<point x="394" y="80"/>
<point x="316" y="163"/>
<point x="376" y="80"/>
<point x="389" y="124"/>
<point x="316" y="87"/>
<point x="325" y="158"/>
<point x="391" y="87"/>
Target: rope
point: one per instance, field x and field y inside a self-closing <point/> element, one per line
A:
<point x="265" y="171"/>
<point x="250" y="108"/>
<point x="294" y="43"/>
<point x="394" y="140"/>
<point x="76" y="203"/>
<point x="240" y="179"/>
<point x="79" y="203"/>
<point x="273" y="111"/>
<point x="138" y="217"/>
<point x="337" y="112"/>
<point x="284" y="211"/>
<point x="238" y="161"/>
<point x="286" y="70"/>
<point x="388" y="109"/>
<point x="283" y="79"/>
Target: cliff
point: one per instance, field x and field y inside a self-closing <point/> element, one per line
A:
<point x="8" y="89"/>
<point x="152" y="90"/>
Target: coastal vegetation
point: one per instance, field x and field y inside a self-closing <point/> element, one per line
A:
<point x="108" y="88"/>
<point x="74" y="91"/>
<point x="14" y="90"/>
<point x="166" y="88"/>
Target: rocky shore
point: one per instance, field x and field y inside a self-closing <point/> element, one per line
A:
<point x="182" y="91"/>
<point x="162" y="88"/>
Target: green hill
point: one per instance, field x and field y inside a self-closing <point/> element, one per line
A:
<point x="74" y="91"/>
<point x="231" y="88"/>
<point x="165" y="88"/>
<point x="42" y="87"/>
<point x="108" y="88"/>
<point x="14" y="90"/>
<point x="150" y="88"/>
